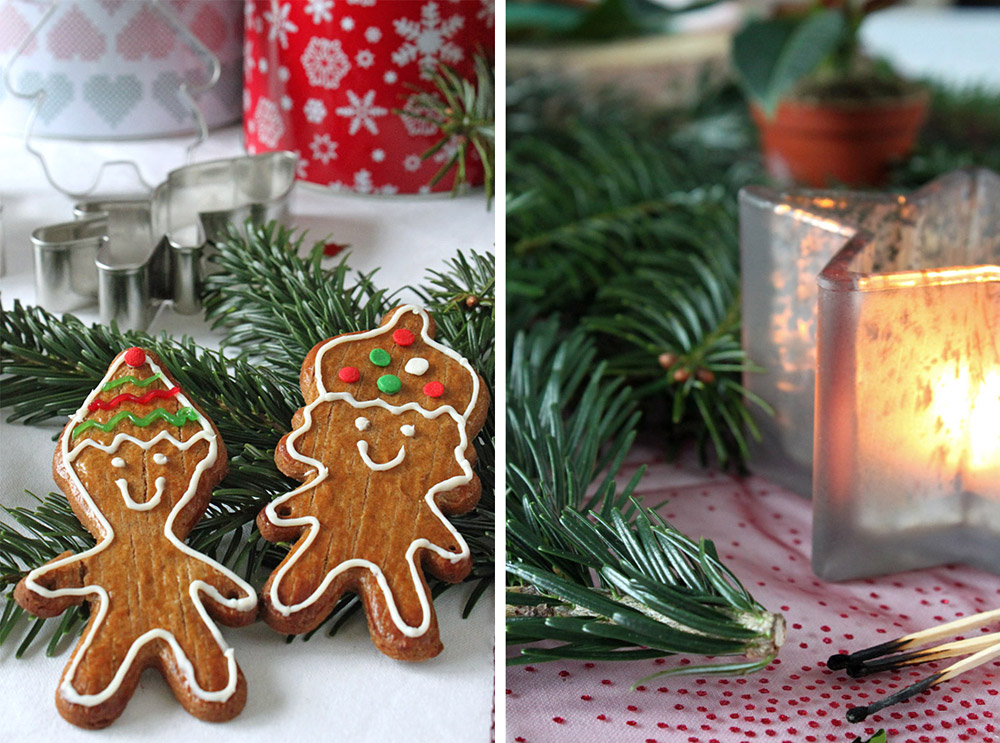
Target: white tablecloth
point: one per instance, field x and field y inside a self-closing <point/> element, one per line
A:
<point x="324" y="689"/>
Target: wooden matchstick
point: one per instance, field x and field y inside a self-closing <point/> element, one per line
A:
<point x="948" y="650"/>
<point x="913" y="640"/>
<point x="858" y="714"/>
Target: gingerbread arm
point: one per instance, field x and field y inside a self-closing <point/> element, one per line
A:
<point x="225" y="596"/>
<point x="49" y="590"/>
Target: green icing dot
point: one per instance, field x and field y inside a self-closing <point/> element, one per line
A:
<point x="379" y="357"/>
<point x="389" y="383"/>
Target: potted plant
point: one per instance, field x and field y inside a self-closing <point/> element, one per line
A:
<point x="826" y="112"/>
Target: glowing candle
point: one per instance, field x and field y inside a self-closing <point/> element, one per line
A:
<point x="907" y="445"/>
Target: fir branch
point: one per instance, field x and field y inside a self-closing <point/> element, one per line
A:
<point x="276" y="305"/>
<point x="464" y="112"/>
<point x="675" y="330"/>
<point x="604" y="576"/>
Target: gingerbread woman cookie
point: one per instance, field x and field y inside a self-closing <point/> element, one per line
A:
<point x="137" y="463"/>
<point x="384" y="449"/>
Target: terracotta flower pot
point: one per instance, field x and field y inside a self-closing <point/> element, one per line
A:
<point x="852" y="143"/>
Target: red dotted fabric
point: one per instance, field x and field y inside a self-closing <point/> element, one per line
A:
<point x="763" y="534"/>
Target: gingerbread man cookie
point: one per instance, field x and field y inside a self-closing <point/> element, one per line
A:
<point x="384" y="449"/>
<point x="137" y="463"/>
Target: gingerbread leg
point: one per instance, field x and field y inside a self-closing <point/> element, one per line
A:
<point x="401" y="618"/>
<point x="299" y="595"/>
<point x="212" y="688"/>
<point x="94" y="688"/>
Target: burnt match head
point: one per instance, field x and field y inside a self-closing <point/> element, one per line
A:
<point x="857" y="714"/>
<point x="838" y="662"/>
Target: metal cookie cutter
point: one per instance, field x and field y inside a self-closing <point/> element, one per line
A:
<point x="130" y="255"/>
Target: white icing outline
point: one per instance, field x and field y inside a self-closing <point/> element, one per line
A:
<point x="408" y="430"/>
<point x="106" y="537"/>
<point x="160" y="483"/>
<point x="376" y="466"/>
<point x="322" y="472"/>
<point x="361" y="423"/>
<point x="416" y="366"/>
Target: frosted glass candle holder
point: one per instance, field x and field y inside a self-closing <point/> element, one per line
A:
<point x="786" y="238"/>
<point x="907" y="436"/>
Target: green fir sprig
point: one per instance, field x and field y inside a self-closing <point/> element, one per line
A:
<point x="588" y="566"/>
<point x="274" y="306"/>
<point x="463" y="111"/>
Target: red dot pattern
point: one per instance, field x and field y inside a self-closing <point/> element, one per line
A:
<point x="433" y="389"/>
<point x="764" y="534"/>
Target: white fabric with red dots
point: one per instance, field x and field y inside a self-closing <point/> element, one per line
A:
<point x="763" y="534"/>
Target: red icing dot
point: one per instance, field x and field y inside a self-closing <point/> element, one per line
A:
<point x="402" y="336"/>
<point x="433" y="389"/>
<point x="135" y="356"/>
<point x="349" y="374"/>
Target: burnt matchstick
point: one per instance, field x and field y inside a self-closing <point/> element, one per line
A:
<point x="858" y="714"/>
<point x="939" y="652"/>
<point x="913" y="640"/>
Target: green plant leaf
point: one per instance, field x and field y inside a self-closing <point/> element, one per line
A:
<point x="771" y="56"/>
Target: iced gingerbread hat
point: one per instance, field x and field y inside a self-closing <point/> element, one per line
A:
<point x="137" y="463"/>
<point x="384" y="449"/>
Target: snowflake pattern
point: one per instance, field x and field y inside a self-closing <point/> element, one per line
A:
<point x="365" y="58"/>
<point x="325" y="62"/>
<point x="417" y="127"/>
<point x="315" y="111"/>
<point x="487" y="13"/>
<point x="389" y="190"/>
<point x="347" y="23"/>
<point x="362" y="112"/>
<point x="248" y="60"/>
<point x="373" y="34"/>
<point x="284" y="74"/>
<point x="390" y="77"/>
<point x="378" y="155"/>
<point x="281" y="26"/>
<point x="262" y="65"/>
<point x="366" y="3"/>
<point x="428" y="40"/>
<point x="323" y="149"/>
<point x="301" y="165"/>
<point x="269" y="124"/>
<point x="320" y="10"/>
<point x="286" y="103"/>
<point x="363" y="181"/>
<point x="412" y="163"/>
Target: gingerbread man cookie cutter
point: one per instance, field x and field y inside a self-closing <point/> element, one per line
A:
<point x="186" y="94"/>
<point x="130" y="255"/>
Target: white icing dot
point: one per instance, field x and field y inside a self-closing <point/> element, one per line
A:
<point x="416" y="366"/>
<point x="160" y="458"/>
<point x="118" y="462"/>
<point x="407" y="430"/>
<point x="361" y="423"/>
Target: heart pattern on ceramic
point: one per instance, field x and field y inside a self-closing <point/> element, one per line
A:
<point x="166" y="92"/>
<point x="112" y="100"/>
<point x="75" y="35"/>
<point x="58" y="92"/>
<point x="147" y="34"/>
<point x="13" y="29"/>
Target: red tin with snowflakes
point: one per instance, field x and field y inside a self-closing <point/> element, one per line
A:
<point x="327" y="78"/>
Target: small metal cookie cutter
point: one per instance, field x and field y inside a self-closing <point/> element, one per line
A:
<point x="130" y="255"/>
